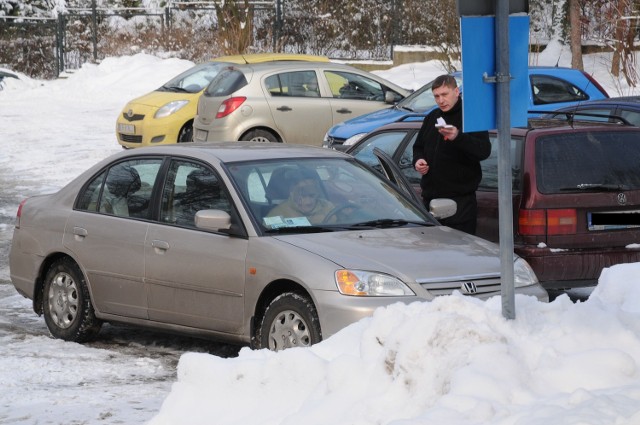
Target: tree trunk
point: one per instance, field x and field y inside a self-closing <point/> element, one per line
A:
<point x="575" y="23"/>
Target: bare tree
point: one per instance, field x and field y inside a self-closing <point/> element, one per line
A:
<point x="575" y="34"/>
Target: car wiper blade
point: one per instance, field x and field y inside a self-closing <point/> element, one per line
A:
<point x="301" y="229"/>
<point x="405" y="108"/>
<point x="387" y="222"/>
<point x="175" y="89"/>
<point x="597" y="187"/>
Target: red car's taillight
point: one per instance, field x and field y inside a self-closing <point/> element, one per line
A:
<point x="548" y="222"/>
<point x="19" y="213"/>
<point x="230" y="105"/>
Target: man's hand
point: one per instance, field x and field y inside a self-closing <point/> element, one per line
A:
<point x="422" y="167"/>
<point x="449" y="132"/>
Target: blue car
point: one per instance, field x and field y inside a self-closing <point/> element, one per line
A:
<point x="551" y="88"/>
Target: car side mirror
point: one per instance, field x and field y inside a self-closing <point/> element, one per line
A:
<point x="442" y="207"/>
<point x="391" y="97"/>
<point x="215" y="220"/>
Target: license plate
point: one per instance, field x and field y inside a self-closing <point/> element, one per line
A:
<point x="201" y="135"/>
<point x="611" y="220"/>
<point x="126" y="128"/>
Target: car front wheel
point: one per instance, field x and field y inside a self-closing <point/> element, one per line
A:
<point x="291" y="320"/>
<point x="67" y="307"/>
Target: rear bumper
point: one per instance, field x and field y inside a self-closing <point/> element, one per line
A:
<point x="573" y="268"/>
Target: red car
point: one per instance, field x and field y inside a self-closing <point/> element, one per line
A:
<point x="576" y="194"/>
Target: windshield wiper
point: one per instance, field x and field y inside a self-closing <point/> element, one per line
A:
<point x="300" y="229"/>
<point x="406" y="108"/>
<point x="383" y="223"/>
<point x="176" y="89"/>
<point x="597" y="187"/>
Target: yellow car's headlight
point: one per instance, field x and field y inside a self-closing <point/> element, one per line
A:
<point x="370" y="284"/>
<point x="170" y="108"/>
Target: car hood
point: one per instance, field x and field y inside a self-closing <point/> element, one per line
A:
<point x="366" y="123"/>
<point x="410" y="253"/>
<point x="158" y="99"/>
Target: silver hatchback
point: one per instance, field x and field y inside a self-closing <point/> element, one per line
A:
<point x="288" y="102"/>
<point x="255" y="243"/>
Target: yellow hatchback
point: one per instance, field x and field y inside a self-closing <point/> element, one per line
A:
<point x="165" y="116"/>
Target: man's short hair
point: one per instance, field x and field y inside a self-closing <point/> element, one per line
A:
<point x="444" y="80"/>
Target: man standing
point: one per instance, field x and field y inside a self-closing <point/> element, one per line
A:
<point x="447" y="158"/>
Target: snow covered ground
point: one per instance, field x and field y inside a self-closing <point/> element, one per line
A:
<point x="455" y="361"/>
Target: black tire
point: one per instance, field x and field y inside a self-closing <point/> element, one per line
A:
<point x="260" y="136"/>
<point x="68" y="311"/>
<point x="186" y="133"/>
<point x="291" y="320"/>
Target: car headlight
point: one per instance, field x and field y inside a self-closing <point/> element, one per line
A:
<point x="523" y="274"/>
<point x="353" y="139"/>
<point x="368" y="284"/>
<point x="170" y="108"/>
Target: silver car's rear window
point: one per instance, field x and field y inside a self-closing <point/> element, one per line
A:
<point x="226" y="83"/>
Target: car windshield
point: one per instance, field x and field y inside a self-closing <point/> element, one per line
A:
<point x="588" y="161"/>
<point x="194" y="79"/>
<point x="313" y="195"/>
<point x="422" y="100"/>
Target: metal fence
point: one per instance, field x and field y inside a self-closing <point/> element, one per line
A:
<point x="45" y="47"/>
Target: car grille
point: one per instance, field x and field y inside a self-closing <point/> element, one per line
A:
<point x="136" y="117"/>
<point x="130" y="138"/>
<point x="475" y="285"/>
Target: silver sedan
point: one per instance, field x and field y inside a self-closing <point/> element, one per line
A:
<point x="254" y="243"/>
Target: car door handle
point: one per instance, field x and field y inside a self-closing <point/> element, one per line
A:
<point x="160" y="246"/>
<point x="344" y="111"/>
<point x="284" y="108"/>
<point x="79" y="233"/>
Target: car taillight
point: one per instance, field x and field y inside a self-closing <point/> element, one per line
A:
<point x="229" y="105"/>
<point x="548" y="222"/>
<point x="19" y="213"/>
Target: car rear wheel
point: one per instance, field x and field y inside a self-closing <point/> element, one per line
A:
<point x="186" y="133"/>
<point x="68" y="312"/>
<point x="260" y="136"/>
<point x="291" y="320"/>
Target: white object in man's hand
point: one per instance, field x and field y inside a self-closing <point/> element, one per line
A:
<point x="441" y="123"/>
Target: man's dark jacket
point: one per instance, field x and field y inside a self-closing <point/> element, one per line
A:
<point x="454" y="165"/>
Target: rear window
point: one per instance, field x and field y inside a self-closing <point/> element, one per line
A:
<point x="226" y="83"/>
<point x="588" y="161"/>
<point x="548" y="89"/>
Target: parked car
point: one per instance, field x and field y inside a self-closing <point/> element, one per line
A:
<point x="165" y="115"/>
<point x="4" y="74"/>
<point x="576" y="194"/>
<point x="185" y="238"/>
<point x="288" y="102"/>
<point x="551" y="88"/>
<point x="615" y="109"/>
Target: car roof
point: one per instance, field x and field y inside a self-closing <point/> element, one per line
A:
<point x="624" y="100"/>
<point x="228" y="152"/>
<point x="298" y="65"/>
<point x="269" y="57"/>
